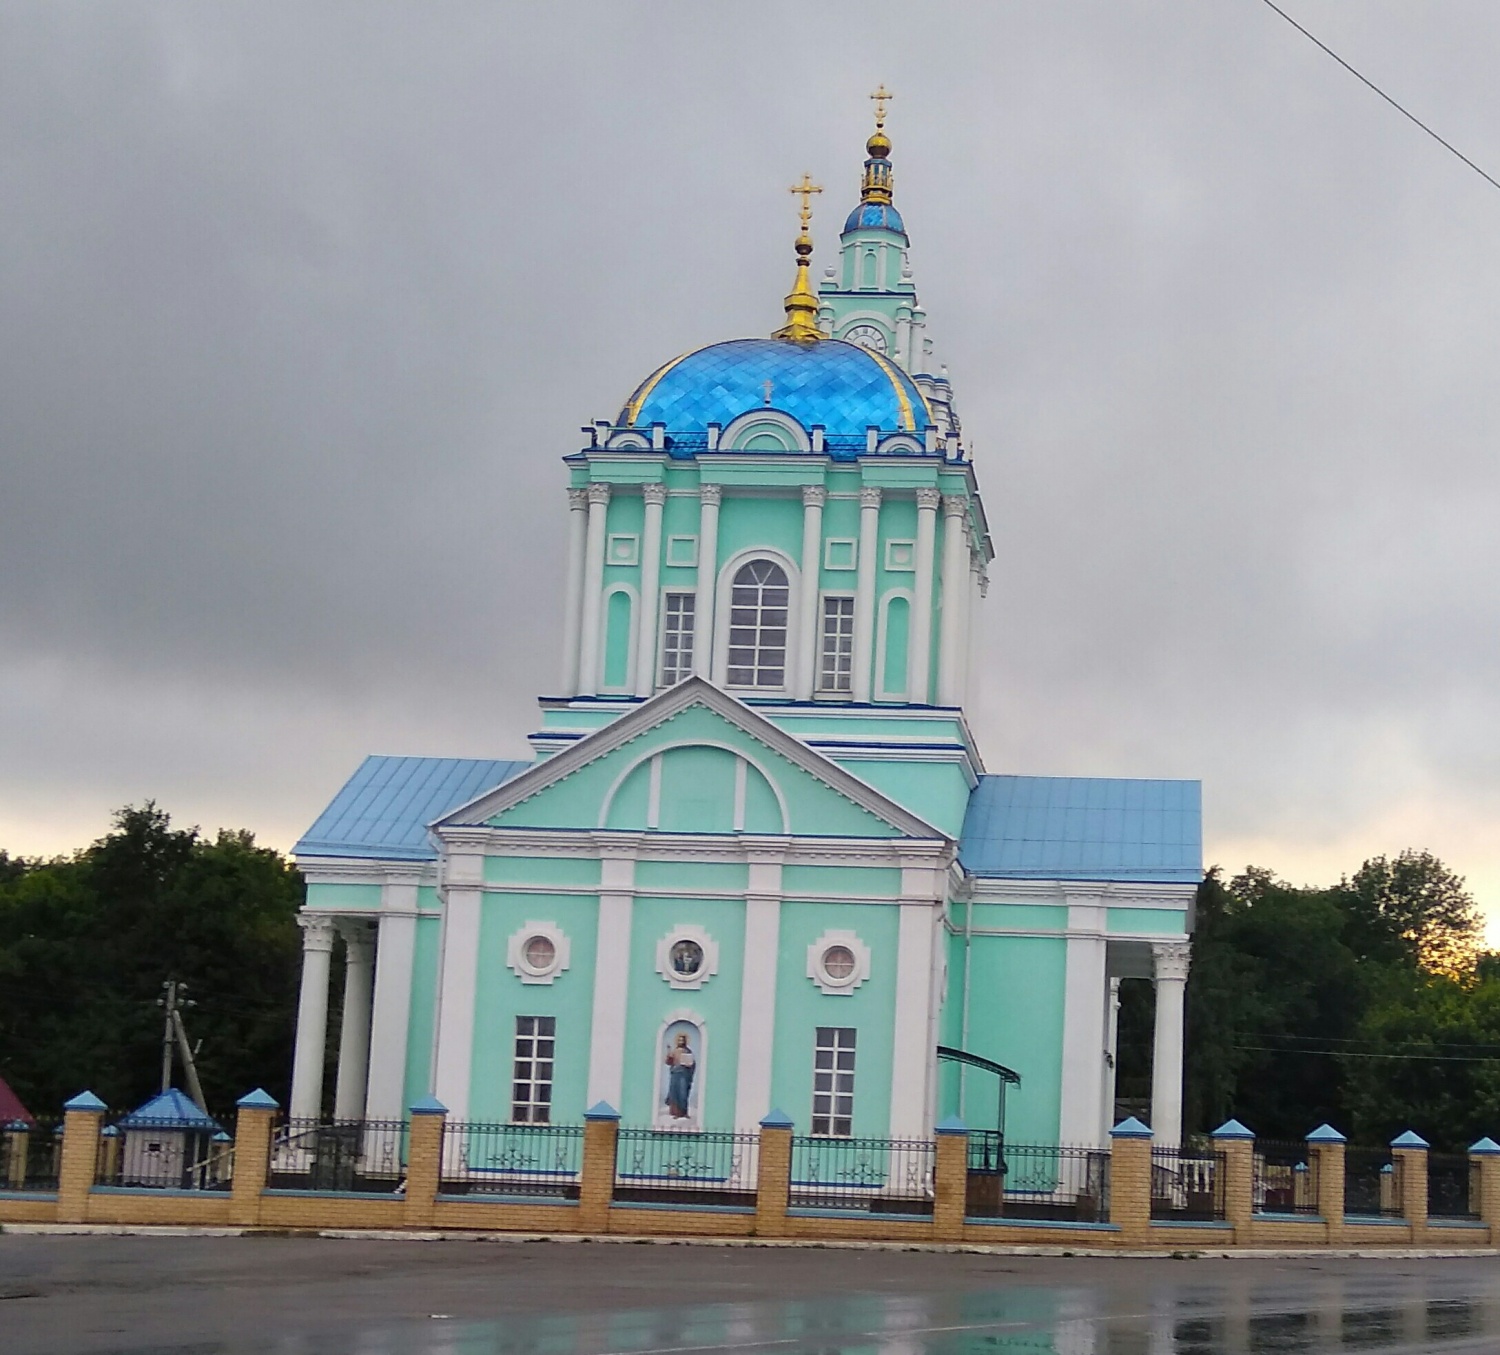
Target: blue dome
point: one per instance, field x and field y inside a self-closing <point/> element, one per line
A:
<point x="844" y="387"/>
<point x="881" y="215"/>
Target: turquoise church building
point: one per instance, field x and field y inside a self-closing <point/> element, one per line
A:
<point x="756" y="860"/>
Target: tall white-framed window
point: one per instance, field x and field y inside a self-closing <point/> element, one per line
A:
<point x="759" y="599"/>
<point x="836" y="644"/>
<point x="677" y="618"/>
<point x="531" y="1078"/>
<point x="833" y="1082"/>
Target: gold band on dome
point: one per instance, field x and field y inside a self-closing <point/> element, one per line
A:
<point x="643" y="391"/>
<point x="907" y="412"/>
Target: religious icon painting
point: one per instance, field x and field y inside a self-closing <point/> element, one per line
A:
<point x="680" y="1071"/>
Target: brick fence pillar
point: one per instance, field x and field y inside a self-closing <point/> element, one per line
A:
<point x="1409" y="1157"/>
<point x="1130" y="1180"/>
<point x="773" y="1175"/>
<point x="1484" y="1164"/>
<point x="253" y="1123"/>
<point x="424" y="1161"/>
<point x="596" y="1188"/>
<point x="1236" y="1144"/>
<point x="950" y="1180"/>
<point x="84" y="1114"/>
<point x="1325" y="1145"/>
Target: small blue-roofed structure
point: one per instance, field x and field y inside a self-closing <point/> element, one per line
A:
<point x="384" y="809"/>
<point x="1084" y="828"/>
<point x="169" y="1144"/>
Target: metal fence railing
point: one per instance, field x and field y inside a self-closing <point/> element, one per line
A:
<point x="1286" y="1178"/>
<point x="366" y="1157"/>
<point x="676" y="1166"/>
<point x="1036" y="1181"/>
<point x="875" y="1176"/>
<point x="511" y="1159"/>
<point x="1452" y="1186"/>
<point x="1372" y="1185"/>
<point x="1187" y="1185"/>
<point x="30" y="1154"/>
<point x="139" y="1153"/>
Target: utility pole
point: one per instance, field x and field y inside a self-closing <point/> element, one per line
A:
<point x="172" y="1002"/>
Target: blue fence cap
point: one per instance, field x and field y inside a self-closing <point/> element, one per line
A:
<point x="1130" y="1128"/>
<point x="601" y="1110"/>
<point x="1232" y="1129"/>
<point x="429" y="1105"/>
<point x="259" y="1099"/>
<point x="85" y="1101"/>
<point x="777" y="1119"/>
<point x="953" y="1125"/>
<point x="1410" y="1139"/>
<point x="109" y="1132"/>
<point x="1326" y="1133"/>
<point x="1486" y="1147"/>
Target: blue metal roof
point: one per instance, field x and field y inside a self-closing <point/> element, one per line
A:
<point x="169" y="1110"/>
<point x="841" y="386"/>
<point x="385" y="807"/>
<point x="882" y="216"/>
<point x="1084" y="828"/>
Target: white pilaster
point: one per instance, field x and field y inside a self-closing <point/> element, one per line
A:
<point x="864" y="593"/>
<point x="1085" y="989"/>
<point x="708" y="570"/>
<point x="752" y="1093"/>
<point x="911" y="1055"/>
<point x="813" y="498"/>
<point x="955" y="614"/>
<point x="354" y="1028"/>
<point x="395" y="954"/>
<point x="1170" y="960"/>
<point x="611" y="977"/>
<point x="458" y="973"/>
<point x="919" y="683"/>
<point x="578" y="526"/>
<point x="312" y="1017"/>
<point x="593" y="591"/>
<point x="646" y="644"/>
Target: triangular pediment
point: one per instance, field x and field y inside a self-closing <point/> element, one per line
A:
<point x="693" y="758"/>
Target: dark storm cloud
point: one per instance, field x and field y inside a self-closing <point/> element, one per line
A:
<point x="300" y="304"/>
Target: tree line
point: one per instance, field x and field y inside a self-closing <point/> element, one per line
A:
<point x="1370" y="1004"/>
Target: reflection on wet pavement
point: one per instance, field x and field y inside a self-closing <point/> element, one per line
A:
<point x="1214" y="1314"/>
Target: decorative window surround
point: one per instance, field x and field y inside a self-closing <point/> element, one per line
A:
<point x="838" y="985"/>
<point x="682" y="552"/>
<point x="624" y="549"/>
<point x="841" y="552"/>
<point x="900" y="557"/>
<point x="516" y="958"/>
<point x="706" y="971"/>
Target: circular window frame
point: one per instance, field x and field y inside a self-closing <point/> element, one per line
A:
<point x="704" y="942"/>
<point x="520" y="939"/>
<point x="838" y="985"/>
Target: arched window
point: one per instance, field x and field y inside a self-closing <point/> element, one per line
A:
<point x="757" y="625"/>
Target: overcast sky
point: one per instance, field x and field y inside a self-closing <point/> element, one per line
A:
<point x="301" y="303"/>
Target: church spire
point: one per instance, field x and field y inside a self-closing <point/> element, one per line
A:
<point x="877" y="184"/>
<point x="801" y="305"/>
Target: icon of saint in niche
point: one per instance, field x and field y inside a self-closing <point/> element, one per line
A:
<point x="687" y="959"/>
<point x="681" y="1064"/>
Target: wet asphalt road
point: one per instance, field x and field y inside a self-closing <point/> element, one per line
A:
<point x="312" y="1296"/>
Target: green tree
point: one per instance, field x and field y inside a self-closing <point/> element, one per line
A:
<point x="1412" y="911"/>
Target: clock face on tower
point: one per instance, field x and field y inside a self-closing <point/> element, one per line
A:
<point x="866" y="336"/>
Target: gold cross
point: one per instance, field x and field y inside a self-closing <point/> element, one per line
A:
<point x="882" y="96"/>
<point x="806" y="188"/>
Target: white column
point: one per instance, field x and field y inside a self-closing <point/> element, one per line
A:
<point x="752" y="1093"/>
<point x="813" y="498"/>
<point x="578" y="519"/>
<point x="864" y="593"/>
<point x="593" y="591"/>
<point x="955" y="614"/>
<point x="1170" y="960"/>
<point x="708" y="573"/>
<point x="312" y="1017"/>
<point x="390" y="1022"/>
<point x="919" y="684"/>
<point x="611" y="982"/>
<point x="1111" y="1056"/>
<point x="1085" y="988"/>
<point x="646" y="640"/>
<point x="354" y="1029"/>
<point x="911" y="1054"/>
<point x="458" y="973"/>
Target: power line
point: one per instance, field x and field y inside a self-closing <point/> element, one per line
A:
<point x="1406" y="113"/>
<point x="1356" y="1054"/>
<point x="1399" y="1044"/>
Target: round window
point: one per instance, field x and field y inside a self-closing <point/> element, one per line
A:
<point x="540" y="953"/>
<point x="687" y="959"/>
<point x="838" y="962"/>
